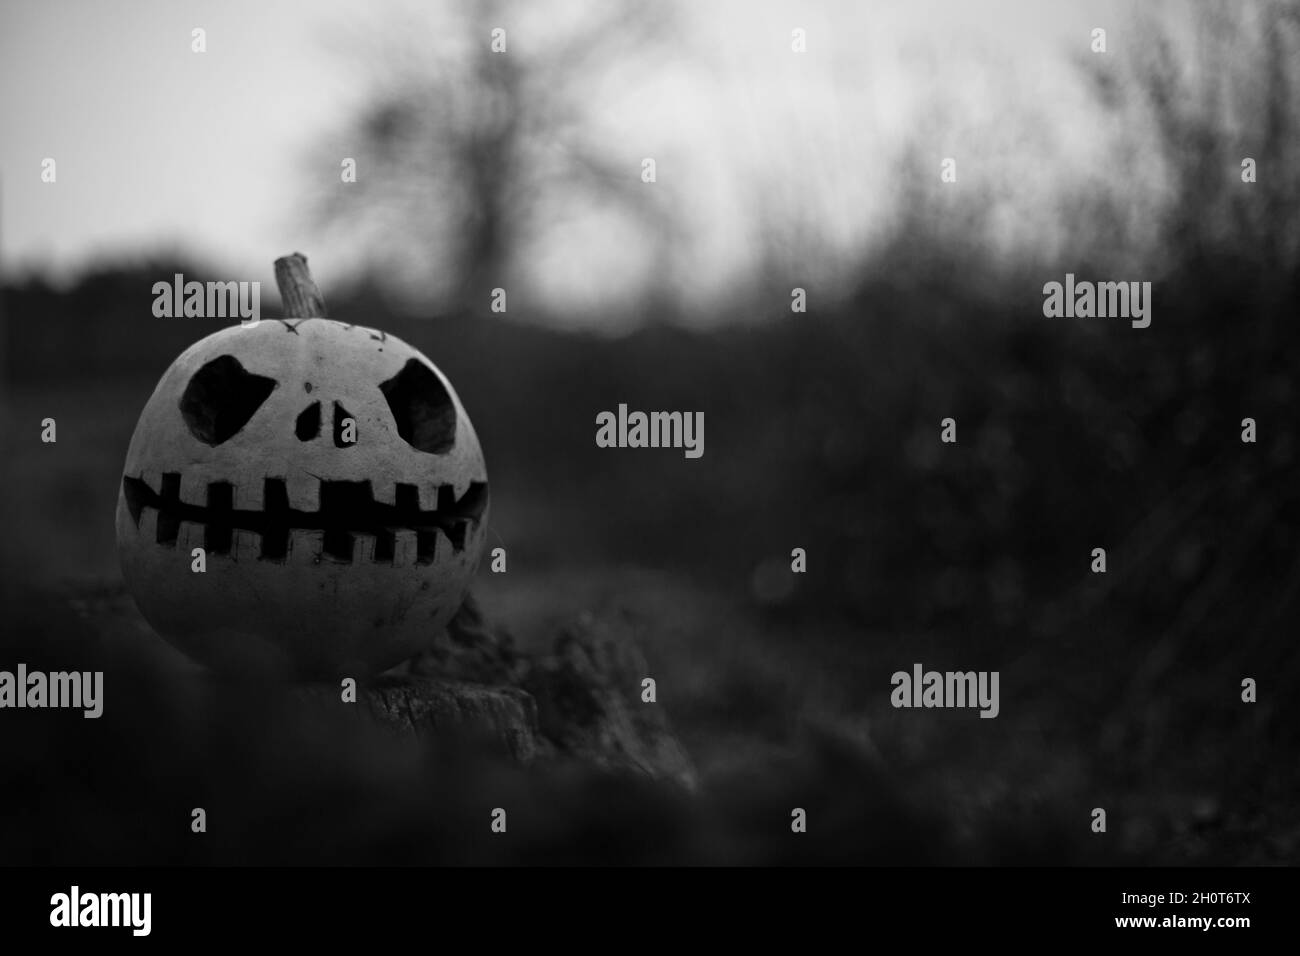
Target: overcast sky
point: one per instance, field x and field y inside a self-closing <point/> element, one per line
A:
<point x="159" y="147"/>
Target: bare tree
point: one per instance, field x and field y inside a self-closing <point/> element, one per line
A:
<point x="466" y="161"/>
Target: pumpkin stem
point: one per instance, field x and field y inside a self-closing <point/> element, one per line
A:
<point x="298" y="293"/>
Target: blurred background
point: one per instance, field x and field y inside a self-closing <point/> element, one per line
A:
<point x="774" y="170"/>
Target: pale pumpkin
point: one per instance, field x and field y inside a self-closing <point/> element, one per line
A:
<point x="320" y="556"/>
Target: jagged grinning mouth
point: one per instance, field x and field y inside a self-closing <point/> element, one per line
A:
<point x="347" y="508"/>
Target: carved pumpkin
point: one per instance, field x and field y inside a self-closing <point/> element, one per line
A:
<point x="322" y="556"/>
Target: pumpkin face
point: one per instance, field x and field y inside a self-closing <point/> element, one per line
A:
<point x="334" y="483"/>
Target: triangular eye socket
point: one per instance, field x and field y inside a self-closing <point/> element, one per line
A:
<point x="422" y="408"/>
<point x="221" y="398"/>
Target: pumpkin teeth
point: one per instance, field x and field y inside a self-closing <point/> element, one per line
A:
<point x="348" y="524"/>
<point x="404" y="548"/>
<point x="303" y="547"/>
<point x="363" y="549"/>
<point x="249" y="497"/>
<point x="194" y="490"/>
<point x="304" y="491"/>
<point x="191" y="535"/>
<point x="248" y="545"/>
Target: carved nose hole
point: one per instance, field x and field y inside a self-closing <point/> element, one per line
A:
<point x="308" y="426"/>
